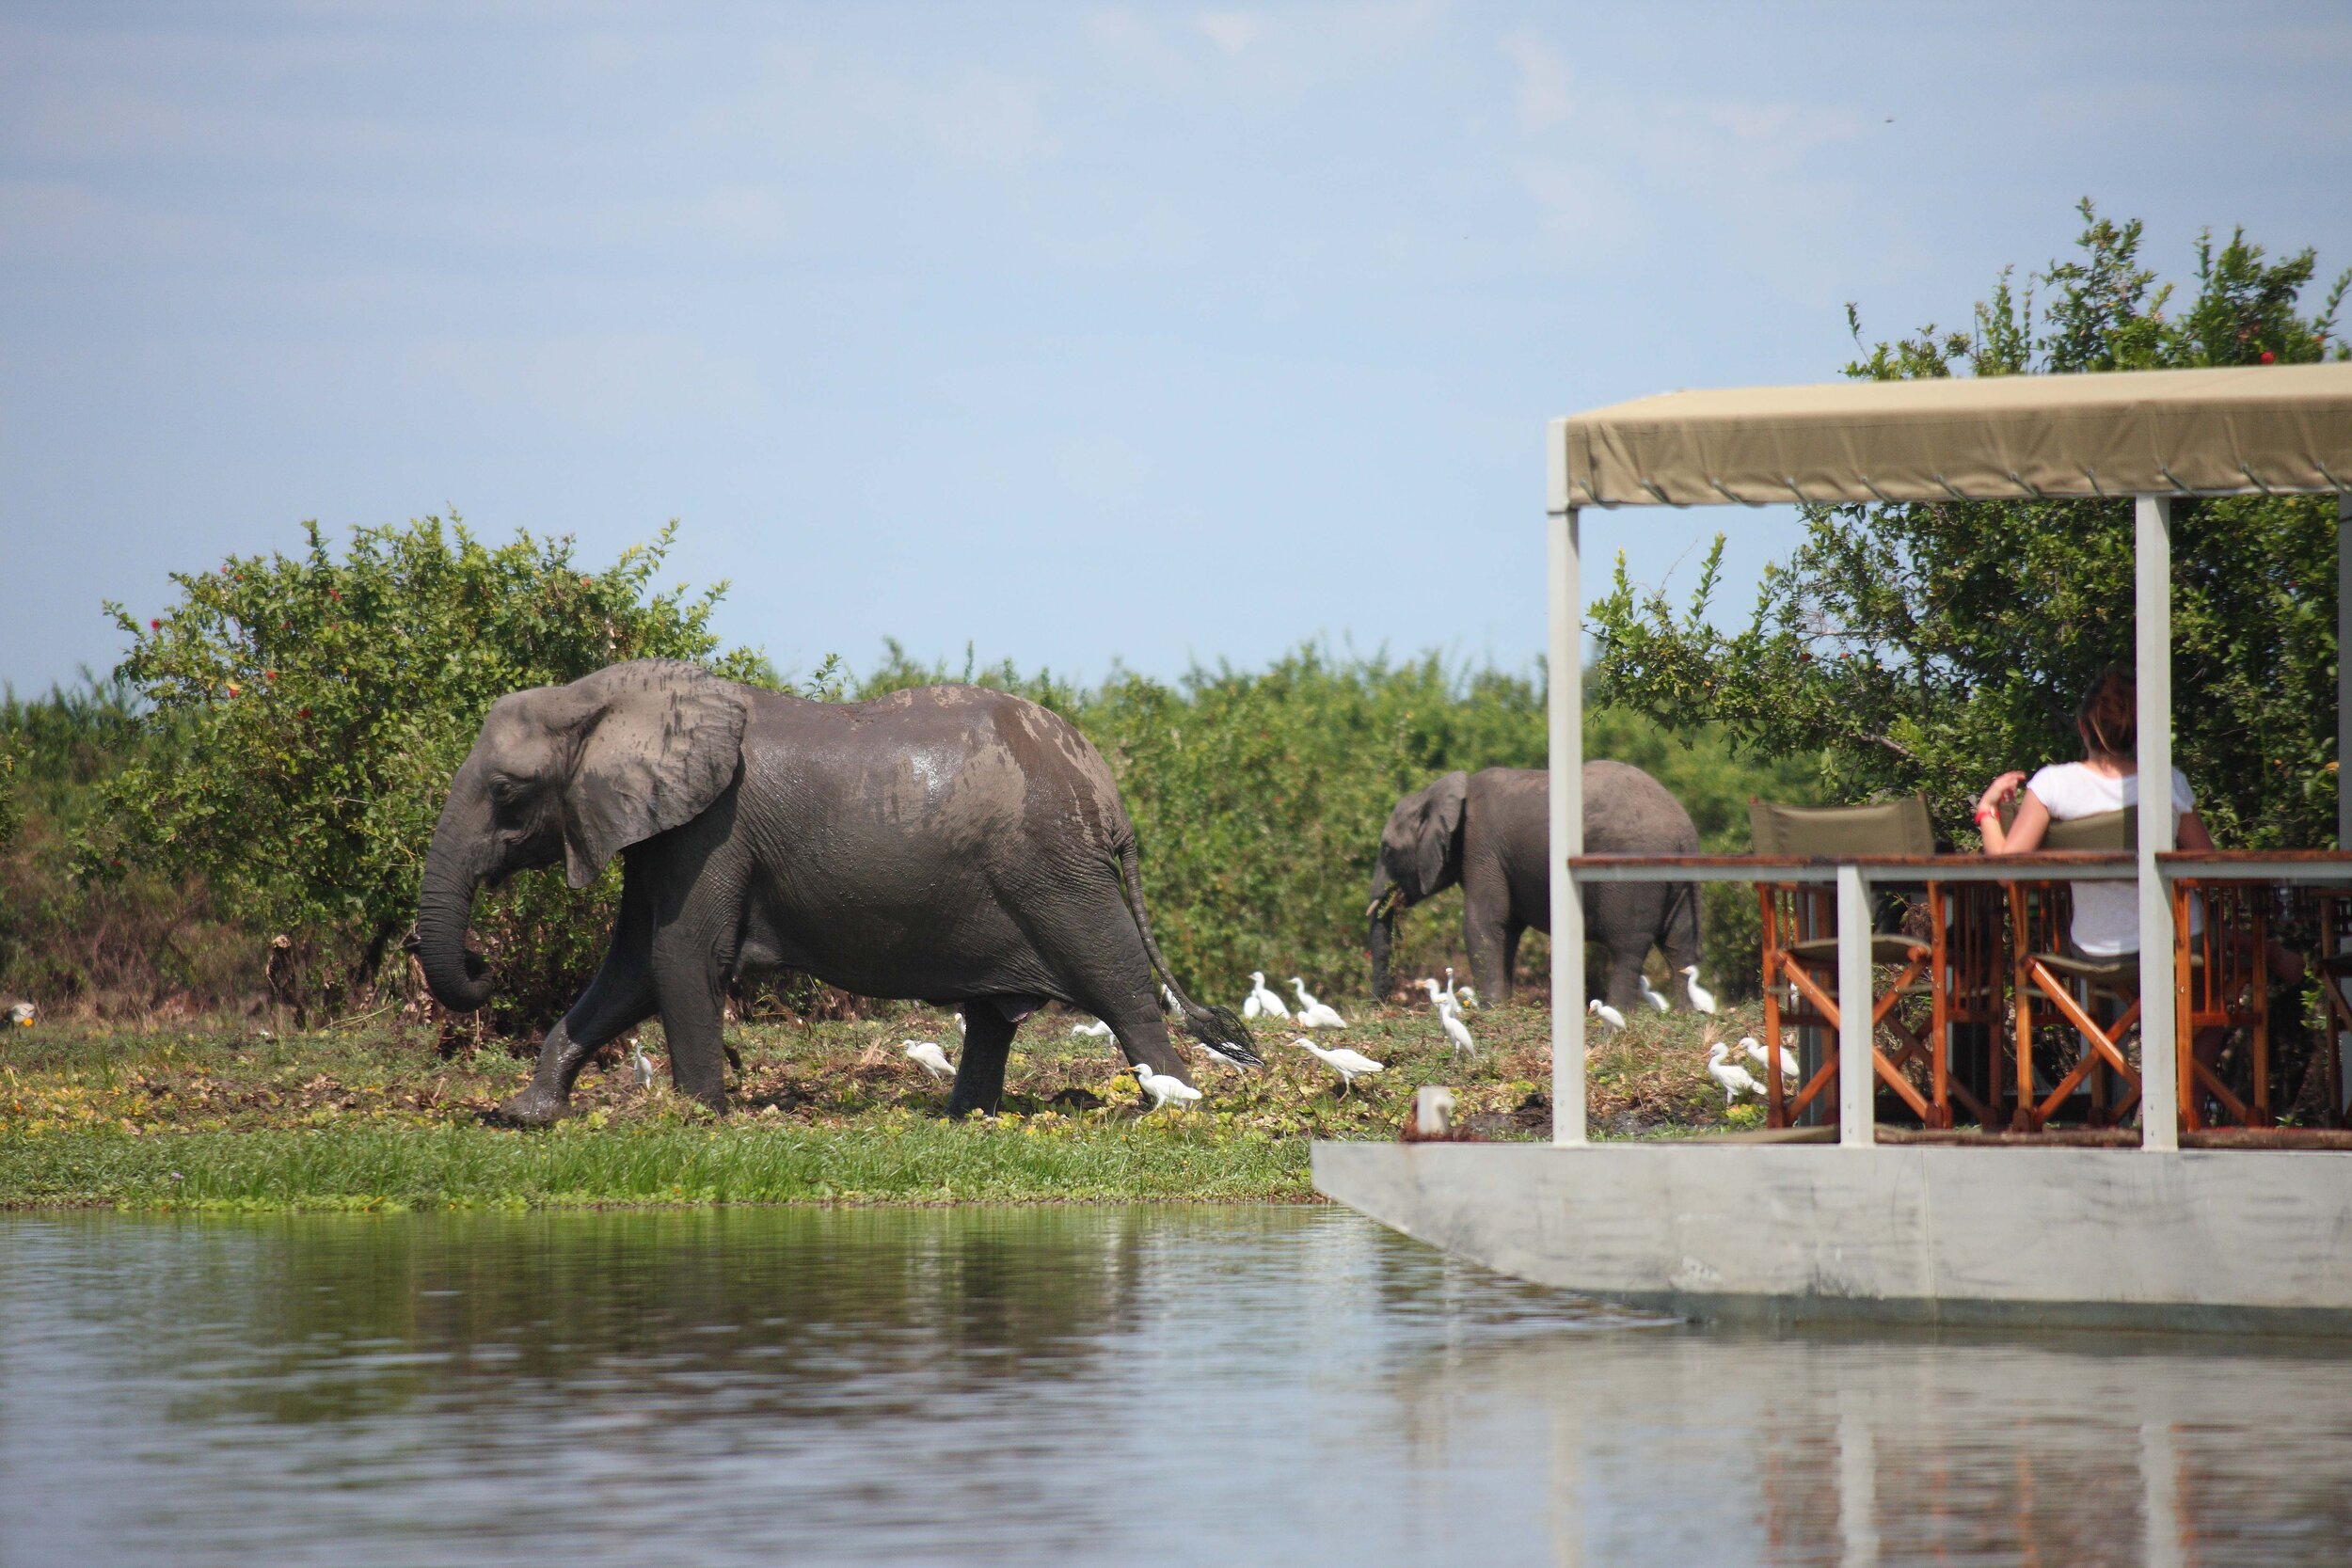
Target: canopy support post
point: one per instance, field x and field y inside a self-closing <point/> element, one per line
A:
<point x="2344" y="732"/>
<point x="1857" y="1071"/>
<point x="1564" y="669"/>
<point x="2159" y="1082"/>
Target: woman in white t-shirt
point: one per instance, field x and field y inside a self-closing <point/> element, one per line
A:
<point x="2107" y="914"/>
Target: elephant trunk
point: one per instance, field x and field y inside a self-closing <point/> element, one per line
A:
<point x="459" y="979"/>
<point x="1382" y="914"/>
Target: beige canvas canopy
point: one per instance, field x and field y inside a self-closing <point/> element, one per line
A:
<point x="2285" y="428"/>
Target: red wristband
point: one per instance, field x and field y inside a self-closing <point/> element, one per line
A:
<point x="1987" y="813"/>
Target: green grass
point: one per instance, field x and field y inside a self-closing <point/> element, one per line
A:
<point x="908" y="1161"/>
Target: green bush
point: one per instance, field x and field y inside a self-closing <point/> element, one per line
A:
<point x="307" y="713"/>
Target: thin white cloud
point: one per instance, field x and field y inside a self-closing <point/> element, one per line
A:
<point x="1231" y="31"/>
<point x="1547" y="95"/>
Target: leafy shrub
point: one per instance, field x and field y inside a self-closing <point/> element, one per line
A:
<point x="308" y="711"/>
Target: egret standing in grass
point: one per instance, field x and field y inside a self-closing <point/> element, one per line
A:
<point x="1607" y="1014"/>
<point x="1464" y="997"/>
<point x="1701" y="998"/>
<point x="1649" y="992"/>
<point x="1349" y="1064"/>
<point x="1789" y="1073"/>
<point x="1313" y="1014"/>
<point x="928" y="1056"/>
<point x="1736" y="1080"/>
<point x="1455" y="1030"/>
<point x="1263" y="1003"/>
<point x="1097" y="1030"/>
<point x="639" y="1066"/>
<point x="1164" y="1087"/>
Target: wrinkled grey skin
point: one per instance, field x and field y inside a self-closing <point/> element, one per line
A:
<point x="950" y="844"/>
<point x="1491" y="832"/>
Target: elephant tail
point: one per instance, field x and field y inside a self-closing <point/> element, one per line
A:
<point x="1219" y="1030"/>
<point x="1679" y="932"/>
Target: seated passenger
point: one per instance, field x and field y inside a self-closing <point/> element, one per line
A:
<point x="2107" y="914"/>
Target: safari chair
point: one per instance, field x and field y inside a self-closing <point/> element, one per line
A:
<point x="1954" y="964"/>
<point x="2073" y="985"/>
<point x="2223" y="977"/>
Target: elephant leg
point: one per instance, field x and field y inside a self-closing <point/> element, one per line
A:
<point x="980" y="1073"/>
<point x="1113" y="980"/>
<point x="1624" y="975"/>
<point x="690" y="984"/>
<point x="620" y="997"/>
<point x="1511" y="934"/>
<point x="1484" y="934"/>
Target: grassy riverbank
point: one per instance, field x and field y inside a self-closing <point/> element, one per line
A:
<point x="827" y="1113"/>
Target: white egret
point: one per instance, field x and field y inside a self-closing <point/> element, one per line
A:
<point x="1164" y="1087"/>
<point x="1436" y="997"/>
<point x="928" y="1056"/>
<point x="1167" y="1001"/>
<point x="1349" y="1064"/>
<point x="1701" y="998"/>
<point x="1607" y="1014"/>
<point x="1789" y="1073"/>
<point x="1097" y="1030"/>
<point x="1465" y="997"/>
<point x="1649" y="992"/>
<point x="20" y="1015"/>
<point x="638" y="1065"/>
<point x="1313" y="1014"/>
<point x="1736" y="1080"/>
<point x="1455" y="1030"/>
<point x="1262" y="1001"/>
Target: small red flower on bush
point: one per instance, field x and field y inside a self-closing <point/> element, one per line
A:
<point x="232" y="688"/>
<point x="2268" y="357"/>
<point x="154" y="624"/>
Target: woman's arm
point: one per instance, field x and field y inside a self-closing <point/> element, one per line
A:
<point x="2022" y="835"/>
<point x="2189" y="832"/>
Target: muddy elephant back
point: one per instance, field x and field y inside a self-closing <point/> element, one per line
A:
<point x="1626" y="812"/>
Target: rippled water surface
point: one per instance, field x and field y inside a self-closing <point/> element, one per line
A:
<point x="1209" y="1386"/>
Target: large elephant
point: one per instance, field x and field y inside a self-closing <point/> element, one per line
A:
<point x="1491" y="832"/>
<point x="951" y="843"/>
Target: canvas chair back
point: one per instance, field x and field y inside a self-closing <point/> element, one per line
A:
<point x="2108" y="829"/>
<point x="1897" y="826"/>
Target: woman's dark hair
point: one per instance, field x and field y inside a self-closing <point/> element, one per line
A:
<point x="2109" y="715"/>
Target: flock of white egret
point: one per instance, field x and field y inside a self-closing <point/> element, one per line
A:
<point x="1446" y="1000"/>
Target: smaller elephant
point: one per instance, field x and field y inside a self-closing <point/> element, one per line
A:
<point x="1491" y="832"/>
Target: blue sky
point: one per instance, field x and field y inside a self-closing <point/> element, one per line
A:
<point x="1078" y="333"/>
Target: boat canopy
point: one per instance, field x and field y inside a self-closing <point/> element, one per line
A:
<point x="2283" y="429"/>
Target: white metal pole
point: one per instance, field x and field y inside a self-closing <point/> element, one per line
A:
<point x="2160" y="1091"/>
<point x="1564" y="671"/>
<point x="2343" y="729"/>
<point x="1857" y="1079"/>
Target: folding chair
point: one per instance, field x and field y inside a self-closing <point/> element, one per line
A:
<point x="2074" y="983"/>
<point x="1956" y="964"/>
<point x="2224" y="979"/>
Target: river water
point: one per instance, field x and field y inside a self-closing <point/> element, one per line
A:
<point x="1149" y="1384"/>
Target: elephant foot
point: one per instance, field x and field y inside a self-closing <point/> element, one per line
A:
<point x="533" y="1107"/>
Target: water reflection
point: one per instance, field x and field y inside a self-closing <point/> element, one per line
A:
<point x="1168" y="1385"/>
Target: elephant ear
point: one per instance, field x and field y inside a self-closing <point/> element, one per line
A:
<point x="1440" y="829"/>
<point x="660" y="741"/>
